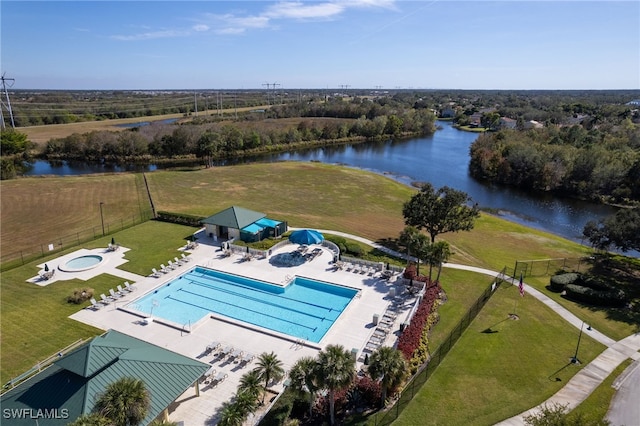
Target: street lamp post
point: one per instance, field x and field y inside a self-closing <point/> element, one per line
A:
<point x="102" y="218"/>
<point x="575" y="359"/>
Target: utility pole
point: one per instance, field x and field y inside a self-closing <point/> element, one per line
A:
<point x="268" y="85"/>
<point x="195" y="101"/>
<point x="8" y="104"/>
<point x="274" y="91"/>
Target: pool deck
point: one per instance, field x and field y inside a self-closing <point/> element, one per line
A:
<point x="352" y="329"/>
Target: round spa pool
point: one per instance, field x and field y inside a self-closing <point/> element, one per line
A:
<point x="82" y="263"/>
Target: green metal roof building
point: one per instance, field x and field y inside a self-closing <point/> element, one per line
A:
<point x="246" y="225"/>
<point x="71" y="385"/>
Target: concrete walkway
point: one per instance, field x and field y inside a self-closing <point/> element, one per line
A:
<point x="588" y="378"/>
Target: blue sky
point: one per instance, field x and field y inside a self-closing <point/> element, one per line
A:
<point x="445" y="44"/>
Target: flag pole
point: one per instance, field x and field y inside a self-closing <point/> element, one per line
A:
<point x="521" y="291"/>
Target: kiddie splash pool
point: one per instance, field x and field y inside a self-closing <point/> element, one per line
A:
<point x="82" y="263"/>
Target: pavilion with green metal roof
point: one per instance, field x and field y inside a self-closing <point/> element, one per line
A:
<point x="244" y="224"/>
<point x="70" y="386"/>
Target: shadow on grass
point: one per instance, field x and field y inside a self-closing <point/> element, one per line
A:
<point x="490" y="330"/>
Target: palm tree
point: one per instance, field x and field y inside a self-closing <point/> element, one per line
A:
<point x="336" y="371"/>
<point x="250" y="383"/>
<point x="93" y="419"/>
<point x="231" y="414"/>
<point x="246" y="403"/>
<point x="407" y="239"/>
<point x="269" y="367"/>
<point x="387" y="365"/>
<point x="125" y="402"/>
<point x="158" y="422"/>
<point x="304" y="378"/>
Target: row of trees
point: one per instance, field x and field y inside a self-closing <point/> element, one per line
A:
<point x="332" y="371"/>
<point x="595" y="164"/>
<point x="215" y="140"/>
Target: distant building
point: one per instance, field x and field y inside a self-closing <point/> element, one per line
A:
<point x="507" y="123"/>
<point x="475" y="119"/>
<point x="246" y="225"/>
<point x="532" y="124"/>
<point x="448" y="112"/>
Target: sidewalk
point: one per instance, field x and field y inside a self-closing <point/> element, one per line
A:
<point x="588" y="378"/>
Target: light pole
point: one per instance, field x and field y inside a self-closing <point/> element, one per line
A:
<point x="575" y="359"/>
<point x="102" y="218"/>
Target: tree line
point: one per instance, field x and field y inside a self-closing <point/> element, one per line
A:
<point x="600" y="163"/>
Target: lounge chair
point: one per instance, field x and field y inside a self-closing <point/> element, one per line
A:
<point x="113" y="294"/>
<point x="235" y="355"/>
<point x="172" y="266"/>
<point x="104" y="299"/>
<point x="226" y="351"/>
<point x="220" y="377"/>
<point x="164" y="269"/>
<point x="95" y="305"/>
<point x="155" y="273"/>
<point x="247" y="358"/>
<point x="213" y="346"/>
<point x="121" y="291"/>
<point x="178" y="261"/>
<point x="185" y="258"/>
<point x="207" y="375"/>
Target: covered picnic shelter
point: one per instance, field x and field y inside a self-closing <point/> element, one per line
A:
<point x="243" y="224"/>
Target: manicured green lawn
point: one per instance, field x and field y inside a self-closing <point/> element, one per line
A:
<point x="35" y="323"/>
<point x="500" y="367"/>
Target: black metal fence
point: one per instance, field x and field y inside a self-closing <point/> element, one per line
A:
<point x="424" y="373"/>
<point x="21" y="257"/>
<point x="544" y="267"/>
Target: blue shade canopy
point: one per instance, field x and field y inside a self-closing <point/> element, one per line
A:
<point x="306" y="236"/>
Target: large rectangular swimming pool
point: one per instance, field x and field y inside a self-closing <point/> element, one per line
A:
<point x="304" y="308"/>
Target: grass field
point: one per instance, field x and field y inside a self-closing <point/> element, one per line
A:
<point x="313" y="195"/>
<point x="39" y="211"/>
<point x="500" y="367"/>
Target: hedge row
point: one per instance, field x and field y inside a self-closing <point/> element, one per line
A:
<point x="587" y="289"/>
<point x="180" y="219"/>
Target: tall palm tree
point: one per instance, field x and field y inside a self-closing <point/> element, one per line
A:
<point x="246" y="403"/>
<point x="269" y="367"/>
<point x="304" y="377"/>
<point x="387" y="365"/>
<point x="250" y="383"/>
<point x="336" y="371"/>
<point x="407" y="239"/>
<point x="125" y="402"/>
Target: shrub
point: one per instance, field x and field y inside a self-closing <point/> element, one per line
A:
<point x="354" y="249"/>
<point x="411" y="337"/>
<point x="279" y="413"/>
<point x="609" y="297"/>
<point x="369" y="390"/>
<point x="180" y="218"/>
<point x="557" y="282"/>
<point x="80" y="295"/>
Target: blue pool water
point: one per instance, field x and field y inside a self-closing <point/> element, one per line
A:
<point x="82" y="263"/>
<point x="304" y="309"/>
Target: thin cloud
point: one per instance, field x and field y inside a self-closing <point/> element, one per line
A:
<point x="299" y="10"/>
<point x="200" y="28"/>
<point x="150" y="35"/>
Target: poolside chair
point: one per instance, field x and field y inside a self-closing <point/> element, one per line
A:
<point x="236" y="355"/>
<point x="208" y="374"/>
<point x="220" y="377"/>
<point x="247" y="358"/>
<point x="185" y="258"/>
<point x="213" y="346"/>
<point x="129" y="286"/>
<point x="155" y="273"/>
<point x="164" y="269"/>
<point x="226" y="351"/>
<point x="113" y="294"/>
<point x="95" y="305"/>
<point x="171" y="266"/>
<point x="104" y="299"/>
<point x="178" y="261"/>
<point x="121" y="291"/>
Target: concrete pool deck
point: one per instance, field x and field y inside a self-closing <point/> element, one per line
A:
<point x="352" y="329"/>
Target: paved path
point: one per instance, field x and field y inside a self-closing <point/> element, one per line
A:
<point x="626" y="407"/>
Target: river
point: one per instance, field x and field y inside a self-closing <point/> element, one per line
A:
<point x="442" y="159"/>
